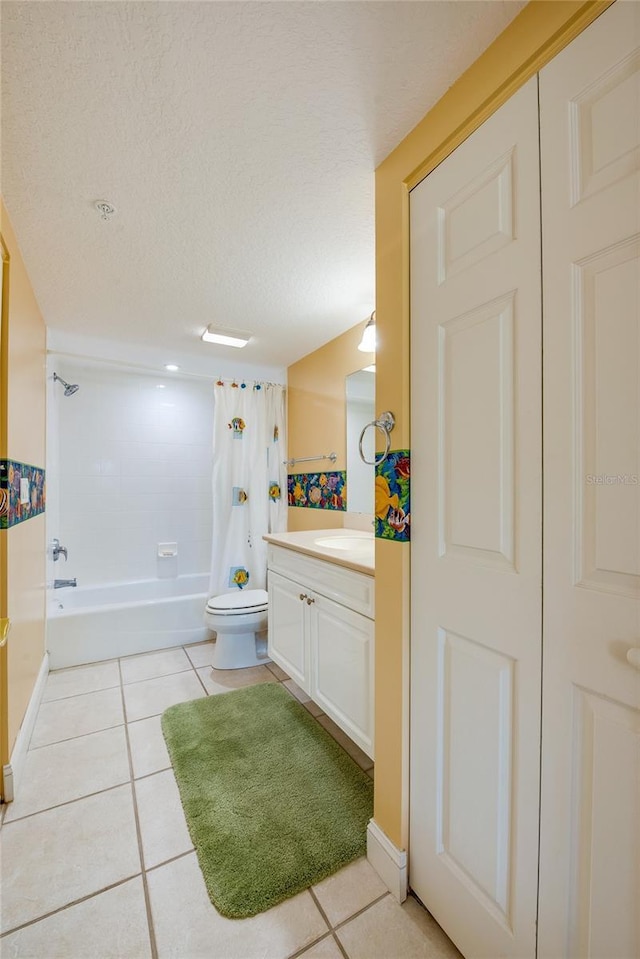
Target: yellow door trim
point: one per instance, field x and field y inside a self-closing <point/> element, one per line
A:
<point x="4" y="351"/>
<point x="4" y="534"/>
<point x="530" y="41"/>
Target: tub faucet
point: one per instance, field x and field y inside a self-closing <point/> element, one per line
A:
<point x="57" y="550"/>
<point x="59" y="583"/>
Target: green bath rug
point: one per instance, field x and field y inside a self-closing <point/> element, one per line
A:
<point x="272" y="802"/>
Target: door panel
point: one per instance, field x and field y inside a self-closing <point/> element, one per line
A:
<point x="477" y="443"/>
<point x="476" y="535"/>
<point x="475" y="708"/>
<point x="590" y="152"/>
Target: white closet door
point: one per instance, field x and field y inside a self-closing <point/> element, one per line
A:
<point x="476" y="536"/>
<point x="590" y="138"/>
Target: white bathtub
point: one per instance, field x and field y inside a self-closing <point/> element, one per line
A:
<point x="87" y="624"/>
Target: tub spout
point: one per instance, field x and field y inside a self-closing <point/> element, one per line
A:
<point x="58" y="583"/>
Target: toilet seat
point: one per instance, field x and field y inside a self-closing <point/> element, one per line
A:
<point x="238" y="604"/>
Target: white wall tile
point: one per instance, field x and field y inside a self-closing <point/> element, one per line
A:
<point x="134" y="469"/>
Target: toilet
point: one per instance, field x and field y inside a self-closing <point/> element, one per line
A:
<point x="238" y="619"/>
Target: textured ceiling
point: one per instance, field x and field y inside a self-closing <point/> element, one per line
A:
<point x="238" y="142"/>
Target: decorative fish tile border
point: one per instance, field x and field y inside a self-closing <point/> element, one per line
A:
<point x="392" y="497"/>
<point x="12" y="511"/>
<point x="318" y="490"/>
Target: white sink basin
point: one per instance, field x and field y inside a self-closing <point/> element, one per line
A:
<point x="354" y="544"/>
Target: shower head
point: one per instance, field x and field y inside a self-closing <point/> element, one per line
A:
<point x="69" y="388"/>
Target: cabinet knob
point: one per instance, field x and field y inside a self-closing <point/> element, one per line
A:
<point x="303" y="596"/>
<point x="310" y="601"/>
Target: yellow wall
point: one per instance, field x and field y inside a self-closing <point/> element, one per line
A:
<point x="540" y="31"/>
<point x="23" y="579"/>
<point x="316" y="415"/>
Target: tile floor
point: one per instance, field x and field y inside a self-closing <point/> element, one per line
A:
<point x="97" y="862"/>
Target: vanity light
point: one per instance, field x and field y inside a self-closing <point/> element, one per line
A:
<point x="368" y="342"/>
<point x="226" y="337"/>
<point x="171" y="367"/>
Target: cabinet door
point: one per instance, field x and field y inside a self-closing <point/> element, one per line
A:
<point x="342" y="668"/>
<point x="589" y="833"/>
<point x="288" y="631"/>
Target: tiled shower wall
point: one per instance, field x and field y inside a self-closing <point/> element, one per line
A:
<point x="133" y="470"/>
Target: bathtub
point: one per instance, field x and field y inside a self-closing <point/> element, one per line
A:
<point x="87" y="624"/>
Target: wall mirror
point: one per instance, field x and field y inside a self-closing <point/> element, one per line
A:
<point x="360" y="404"/>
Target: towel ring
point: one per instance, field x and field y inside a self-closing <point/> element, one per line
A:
<point x="385" y="423"/>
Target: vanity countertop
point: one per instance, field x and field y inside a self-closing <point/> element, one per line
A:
<point x="352" y="548"/>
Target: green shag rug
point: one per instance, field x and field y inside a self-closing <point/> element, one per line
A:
<point x="272" y="802"/>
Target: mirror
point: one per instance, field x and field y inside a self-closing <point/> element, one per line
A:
<point x="360" y="393"/>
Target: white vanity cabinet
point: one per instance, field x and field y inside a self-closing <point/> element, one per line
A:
<point x="321" y="633"/>
<point x="288" y="629"/>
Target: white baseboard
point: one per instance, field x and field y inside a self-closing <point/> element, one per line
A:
<point x="12" y="772"/>
<point x="388" y="861"/>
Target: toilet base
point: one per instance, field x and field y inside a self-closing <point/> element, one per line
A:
<point x="239" y="650"/>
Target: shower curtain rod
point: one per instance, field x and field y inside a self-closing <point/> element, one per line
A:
<point x="98" y="361"/>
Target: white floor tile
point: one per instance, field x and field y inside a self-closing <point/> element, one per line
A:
<point x="404" y="931"/>
<point x="186" y="924"/>
<point x="349" y="890"/>
<point x="153" y="696"/>
<point x="69" y="770"/>
<point x="201" y="654"/>
<point x="299" y="693"/>
<point x="162" y="823"/>
<point x="77" y="716"/>
<point x="81" y="679"/>
<point x="325" y="949"/>
<point x="149" y="752"/>
<point x="61" y="855"/>
<point x="150" y="665"/>
<point x="277" y="671"/>
<point x="111" y="925"/>
<point x="223" y="680"/>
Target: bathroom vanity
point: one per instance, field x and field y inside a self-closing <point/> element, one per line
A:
<point x="321" y="621"/>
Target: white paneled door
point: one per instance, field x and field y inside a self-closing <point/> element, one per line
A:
<point x="590" y="842"/>
<point x="476" y="536"/>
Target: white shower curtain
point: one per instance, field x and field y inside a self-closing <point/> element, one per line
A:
<point x="249" y="482"/>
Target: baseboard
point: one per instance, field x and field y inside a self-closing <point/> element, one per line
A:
<point x="12" y="772"/>
<point x="388" y="861"/>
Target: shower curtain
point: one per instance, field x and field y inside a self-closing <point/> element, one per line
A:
<point x="249" y="482"/>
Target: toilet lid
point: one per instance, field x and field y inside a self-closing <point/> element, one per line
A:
<point x="243" y="601"/>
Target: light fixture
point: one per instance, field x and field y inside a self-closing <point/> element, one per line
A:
<point x="369" y="369"/>
<point x="236" y="338"/>
<point x="368" y="342"/>
<point x="171" y="367"/>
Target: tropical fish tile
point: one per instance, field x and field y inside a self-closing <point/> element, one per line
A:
<point x="318" y="490"/>
<point x="392" y="497"/>
<point x="12" y="511"/>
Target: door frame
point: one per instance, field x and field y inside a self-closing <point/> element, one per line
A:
<point x="530" y="41"/>
<point x="4" y="534"/>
